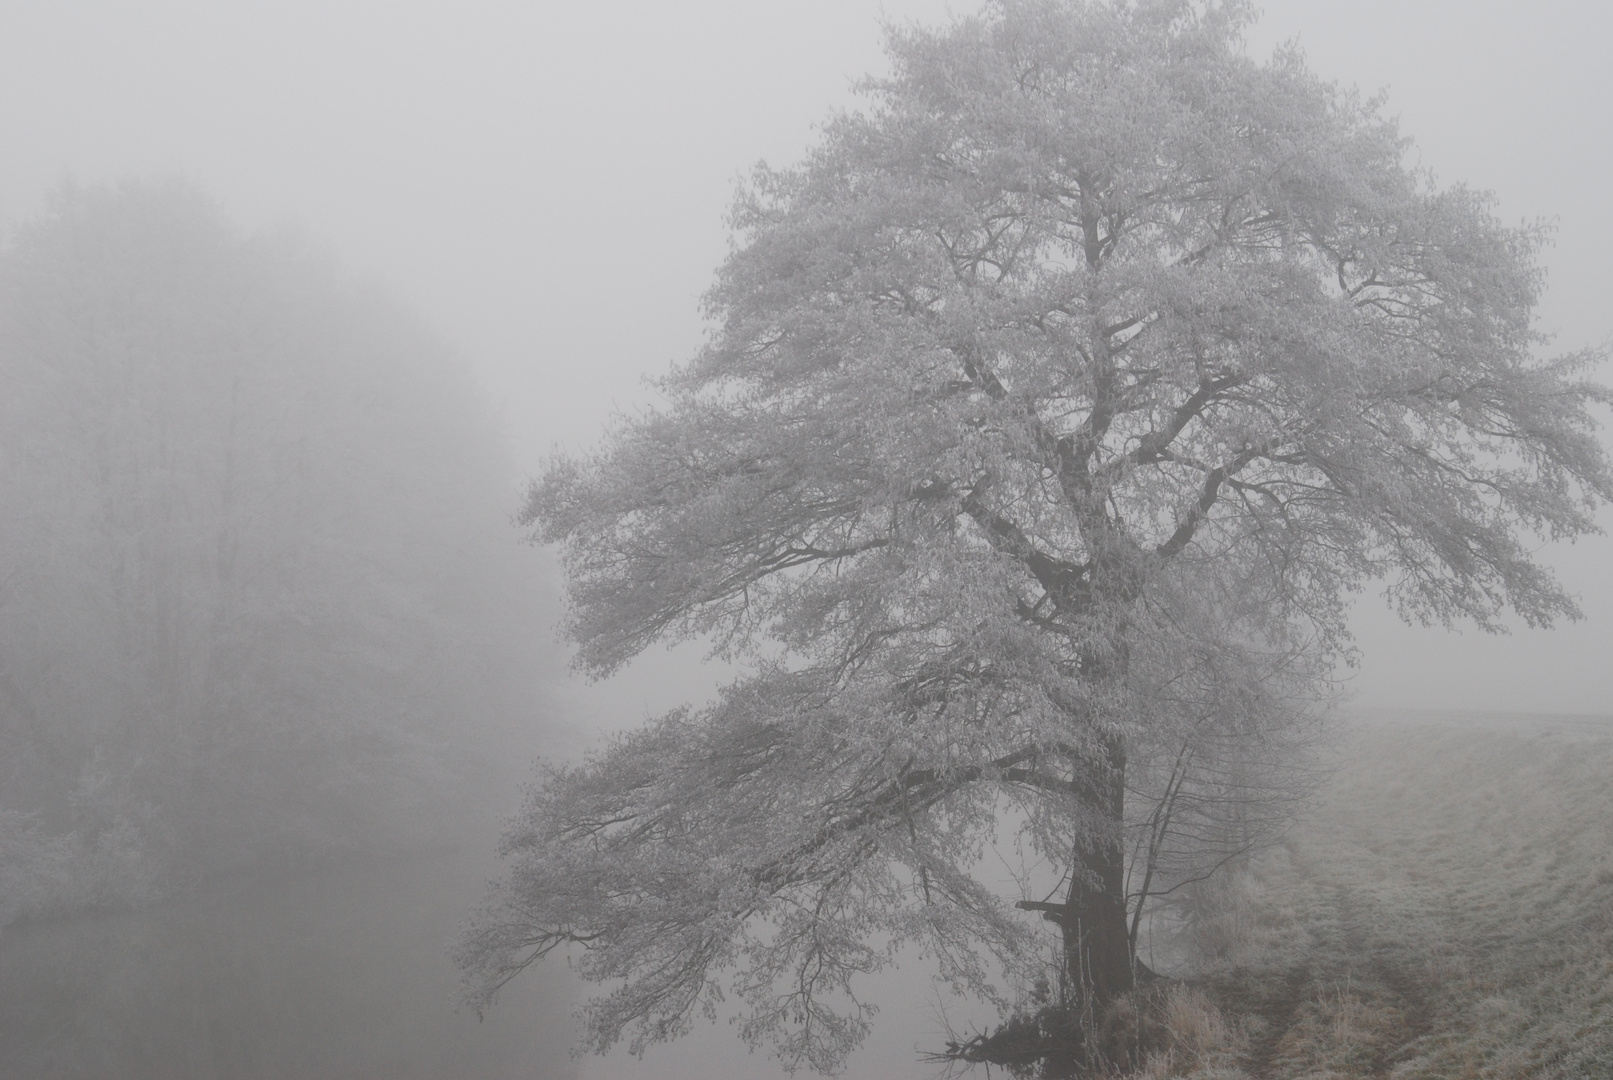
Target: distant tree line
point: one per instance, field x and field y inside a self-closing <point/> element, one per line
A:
<point x="257" y="596"/>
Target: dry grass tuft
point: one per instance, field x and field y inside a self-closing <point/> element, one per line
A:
<point x="1195" y="1026"/>
<point x="1196" y="1039"/>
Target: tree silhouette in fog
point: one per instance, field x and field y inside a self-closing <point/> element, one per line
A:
<point x="250" y="579"/>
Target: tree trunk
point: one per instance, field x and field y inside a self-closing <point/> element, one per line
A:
<point x="1097" y="943"/>
<point x="1065" y="1037"/>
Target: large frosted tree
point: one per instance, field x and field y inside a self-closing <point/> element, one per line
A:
<point x="1052" y="409"/>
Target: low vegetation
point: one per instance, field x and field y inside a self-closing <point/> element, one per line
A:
<point x="1445" y="911"/>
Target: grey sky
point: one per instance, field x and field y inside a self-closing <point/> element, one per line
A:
<point x="547" y="182"/>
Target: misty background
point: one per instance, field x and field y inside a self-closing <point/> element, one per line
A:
<point x="546" y="184"/>
<point x="526" y="201"/>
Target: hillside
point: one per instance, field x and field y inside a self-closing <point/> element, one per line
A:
<point x="1445" y="911"/>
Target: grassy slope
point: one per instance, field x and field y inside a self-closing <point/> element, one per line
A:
<point x="1446" y="911"/>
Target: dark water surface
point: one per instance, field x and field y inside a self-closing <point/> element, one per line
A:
<point x="336" y="972"/>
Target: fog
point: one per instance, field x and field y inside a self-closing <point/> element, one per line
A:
<point x="507" y="214"/>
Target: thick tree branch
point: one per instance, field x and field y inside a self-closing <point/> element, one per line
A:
<point x="1061" y="579"/>
<point x="1200" y="510"/>
<point x="1153" y="446"/>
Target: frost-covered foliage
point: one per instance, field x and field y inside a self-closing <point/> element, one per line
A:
<point x="1053" y="406"/>
<point x="248" y="563"/>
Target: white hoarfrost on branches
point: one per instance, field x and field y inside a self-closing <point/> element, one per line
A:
<point x="1054" y="406"/>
